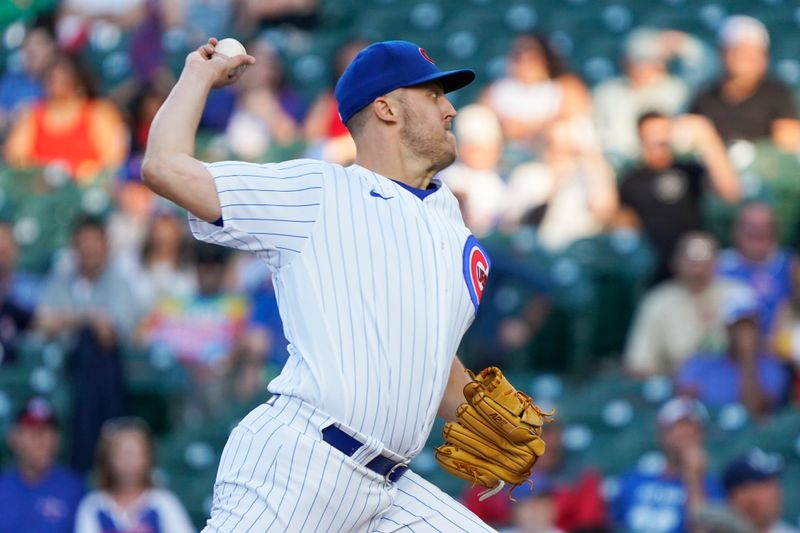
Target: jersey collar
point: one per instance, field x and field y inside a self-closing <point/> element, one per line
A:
<point x="434" y="185"/>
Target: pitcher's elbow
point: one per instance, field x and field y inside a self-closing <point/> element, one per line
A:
<point x="152" y="172"/>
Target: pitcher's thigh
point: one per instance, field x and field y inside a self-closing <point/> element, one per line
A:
<point x="420" y="506"/>
<point x="278" y="479"/>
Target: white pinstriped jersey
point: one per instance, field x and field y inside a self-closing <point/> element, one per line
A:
<point x="375" y="287"/>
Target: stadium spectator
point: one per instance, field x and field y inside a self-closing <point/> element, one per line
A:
<point x="681" y="316"/>
<point x="754" y="495"/>
<point x="15" y="313"/>
<point x="536" y="93"/>
<point x="37" y="495"/>
<point x="166" y="267"/>
<point x="127" y="499"/>
<point x="534" y="508"/>
<point x="570" y="194"/>
<point x="746" y="103"/>
<point x="785" y="338"/>
<point x="203" y="331"/>
<point x="475" y="176"/>
<point x="20" y="287"/>
<point x="754" y="491"/>
<point x="576" y="490"/>
<point x="268" y="111"/>
<point x="646" y="86"/>
<point x="70" y="127"/>
<point x="520" y="294"/>
<point x="128" y="224"/>
<point x="575" y="501"/>
<point x="663" y="194"/>
<point x="757" y="259"/>
<point x="91" y="306"/>
<point x="25" y="86"/>
<point x="661" y="502"/>
<point x="86" y="292"/>
<point x="743" y="373"/>
<point x="142" y="110"/>
<point x="326" y="136"/>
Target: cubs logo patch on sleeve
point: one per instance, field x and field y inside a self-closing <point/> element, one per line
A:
<point x="476" y="265"/>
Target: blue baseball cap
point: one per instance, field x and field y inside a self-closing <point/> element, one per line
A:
<point x="383" y="67"/>
<point x="754" y="466"/>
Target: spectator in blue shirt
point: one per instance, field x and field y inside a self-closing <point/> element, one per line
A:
<point x="744" y="373"/>
<point x="36" y="495"/>
<point x="660" y="502"/>
<point x="757" y="259"/>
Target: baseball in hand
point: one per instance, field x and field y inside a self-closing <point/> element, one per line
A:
<point x="229" y="48"/>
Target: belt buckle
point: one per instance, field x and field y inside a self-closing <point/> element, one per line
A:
<point x="392" y="471"/>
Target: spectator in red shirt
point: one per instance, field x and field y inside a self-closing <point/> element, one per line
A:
<point x="578" y="502"/>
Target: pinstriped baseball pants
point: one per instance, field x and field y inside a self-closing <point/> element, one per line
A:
<point x="276" y="474"/>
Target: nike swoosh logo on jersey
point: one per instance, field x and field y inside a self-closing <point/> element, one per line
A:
<point x="376" y="194"/>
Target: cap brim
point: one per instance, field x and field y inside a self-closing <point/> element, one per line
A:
<point x="452" y="80"/>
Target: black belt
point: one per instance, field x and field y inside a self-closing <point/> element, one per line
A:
<point x="347" y="444"/>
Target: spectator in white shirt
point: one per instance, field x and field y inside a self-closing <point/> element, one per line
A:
<point x="475" y="177"/>
<point x="127" y="500"/>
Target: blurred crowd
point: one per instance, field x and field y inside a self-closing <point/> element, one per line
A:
<point x="541" y="155"/>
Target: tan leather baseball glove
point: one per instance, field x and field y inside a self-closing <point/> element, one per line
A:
<point x="497" y="438"/>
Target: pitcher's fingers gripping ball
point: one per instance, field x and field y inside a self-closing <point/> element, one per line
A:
<point x="498" y="436"/>
<point x="229" y="48"/>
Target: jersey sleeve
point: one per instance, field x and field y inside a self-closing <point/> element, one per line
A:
<point x="269" y="209"/>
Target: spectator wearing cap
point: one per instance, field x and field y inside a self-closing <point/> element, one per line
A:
<point x="475" y="177"/>
<point x="36" y="495"/>
<point x="754" y="492"/>
<point x="743" y="373"/>
<point x="662" y="501"/>
<point x="754" y="498"/>
<point x="758" y="260"/>
<point x="662" y="194"/>
<point x="746" y="103"/>
<point x="89" y="306"/>
<point x="647" y="85"/>
<point x="681" y="316"/>
<point x="127" y="499"/>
